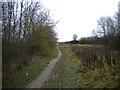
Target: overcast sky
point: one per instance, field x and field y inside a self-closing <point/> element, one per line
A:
<point x="79" y="16"/>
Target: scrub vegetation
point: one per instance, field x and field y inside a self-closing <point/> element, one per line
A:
<point x="85" y="66"/>
<point x="21" y="78"/>
<point x="29" y="44"/>
<point x="101" y="68"/>
<point x="27" y="32"/>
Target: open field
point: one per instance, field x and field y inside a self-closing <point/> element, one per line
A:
<point x="101" y="65"/>
<point x="85" y="66"/>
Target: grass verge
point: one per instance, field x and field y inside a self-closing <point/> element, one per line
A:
<point x="64" y="73"/>
<point x="21" y="78"/>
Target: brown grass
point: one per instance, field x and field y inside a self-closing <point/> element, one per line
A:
<point x="100" y="64"/>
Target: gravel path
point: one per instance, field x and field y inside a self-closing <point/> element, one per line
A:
<point x="44" y="75"/>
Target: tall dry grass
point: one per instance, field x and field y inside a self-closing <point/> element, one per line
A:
<point x="98" y="59"/>
<point x="96" y="56"/>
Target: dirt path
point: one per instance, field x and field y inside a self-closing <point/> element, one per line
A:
<point x="44" y="75"/>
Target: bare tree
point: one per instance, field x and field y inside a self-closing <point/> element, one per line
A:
<point x="75" y="37"/>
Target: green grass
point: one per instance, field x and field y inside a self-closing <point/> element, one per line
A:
<point x="64" y="74"/>
<point x="20" y="79"/>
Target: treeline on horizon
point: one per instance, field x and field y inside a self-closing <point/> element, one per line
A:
<point x="27" y="29"/>
<point x="107" y="33"/>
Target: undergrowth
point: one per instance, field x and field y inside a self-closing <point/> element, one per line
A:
<point x="101" y="69"/>
<point x="17" y="75"/>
